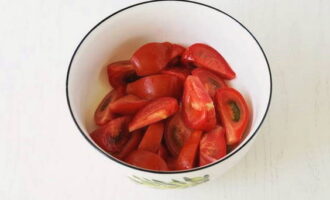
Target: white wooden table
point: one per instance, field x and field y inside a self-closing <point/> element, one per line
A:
<point x="43" y="156"/>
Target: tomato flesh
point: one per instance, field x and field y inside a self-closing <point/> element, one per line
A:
<point x="103" y="113"/>
<point x="112" y="136"/>
<point x="120" y="73"/>
<point x="146" y="159"/>
<point x="188" y="154"/>
<point x="179" y="72"/>
<point x="152" y="138"/>
<point x="154" y="111"/>
<point x="176" y="134"/>
<point x="131" y="144"/>
<point x="151" y="58"/>
<point x="154" y="86"/>
<point x="207" y="57"/>
<point x="198" y="107"/>
<point x="128" y="104"/>
<point x="212" y="146"/>
<point x="234" y="113"/>
<point x="211" y="81"/>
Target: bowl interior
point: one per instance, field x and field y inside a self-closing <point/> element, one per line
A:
<point x="117" y="37"/>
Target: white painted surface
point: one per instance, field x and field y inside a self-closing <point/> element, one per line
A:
<point x="43" y="156"/>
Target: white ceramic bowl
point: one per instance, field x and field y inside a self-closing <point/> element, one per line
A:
<point x="183" y="22"/>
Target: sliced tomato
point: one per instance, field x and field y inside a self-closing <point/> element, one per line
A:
<point x="188" y="154"/>
<point x="120" y="73"/>
<point x="103" y="113"/>
<point x="155" y="86"/>
<point x="171" y="163"/>
<point x="131" y="144"/>
<point x="147" y="160"/>
<point x="212" y="146"/>
<point x="176" y="134"/>
<point x="128" y="104"/>
<point x="207" y="57"/>
<point x="176" y="53"/>
<point x="112" y="136"/>
<point x="211" y="81"/>
<point x="152" y="58"/>
<point x="179" y="72"/>
<point x="234" y="113"/>
<point x="154" y="111"/>
<point x="198" y="107"/>
<point x="163" y="152"/>
<point x="152" y="138"/>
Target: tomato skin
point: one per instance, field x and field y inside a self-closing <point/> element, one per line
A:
<point x="152" y="138"/>
<point x="207" y="57"/>
<point x="131" y="144"/>
<point x="154" y="111"/>
<point x="179" y="72"/>
<point x="212" y="146"/>
<point x="176" y="134"/>
<point x="234" y="113"/>
<point x="103" y="113"/>
<point x="127" y="105"/>
<point x="120" y="73"/>
<point x="163" y="152"/>
<point x="211" y="81"/>
<point x="112" y="136"/>
<point x="154" y="86"/>
<point x="188" y="154"/>
<point x="147" y="160"/>
<point x="151" y="58"/>
<point x="198" y="107"/>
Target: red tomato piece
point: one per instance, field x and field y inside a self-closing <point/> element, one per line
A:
<point x="155" y="86"/>
<point x="112" y="136"/>
<point x="211" y="81"/>
<point x="147" y="160"/>
<point x="205" y="56"/>
<point x="162" y="152"/>
<point x="152" y="58"/>
<point x="128" y="104"/>
<point x="179" y="72"/>
<point x="188" y="154"/>
<point x="176" y="134"/>
<point x="176" y="53"/>
<point x="131" y="144"/>
<point x="103" y="113"/>
<point x="198" y="107"/>
<point x="154" y="111"/>
<point x="120" y="73"/>
<point x="152" y="138"/>
<point x="234" y="113"/>
<point x="212" y="146"/>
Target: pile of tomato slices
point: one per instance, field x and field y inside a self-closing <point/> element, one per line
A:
<point x="170" y="108"/>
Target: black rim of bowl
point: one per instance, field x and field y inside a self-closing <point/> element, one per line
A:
<point x="167" y="172"/>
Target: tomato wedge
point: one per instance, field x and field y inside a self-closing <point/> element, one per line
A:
<point x="112" y="136"/>
<point x="162" y="152"/>
<point x="179" y="72"/>
<point x="188" y="154"/>
<point x="120" y="73"/>
<point x="154" y="111"/>
<point x="152" y="58"/>
<point x="212" y="146"/>
<point x="131" y="144"/>
<point x="211" y="81"/>
<point x="155" y="86"/>
<point x="176" y="53"/>
<point x="198" y="107"/>
<point x="146" y="159"/>
<point x="176" y="134"/>
<point x="152" y="138"/>
<point x="103" y="113"/>
<point x="234" y="113"/>
<point x="205" y="56"/>
<point x="128" y="104"/>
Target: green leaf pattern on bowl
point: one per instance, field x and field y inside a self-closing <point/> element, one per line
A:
<point x="173" y="184"/>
